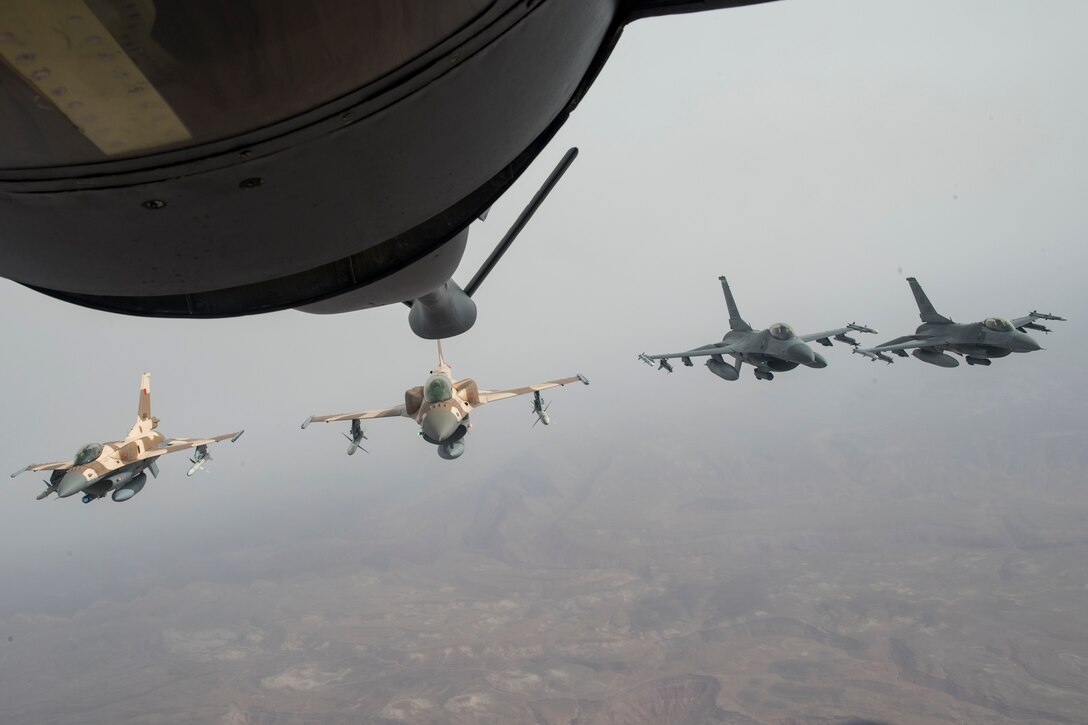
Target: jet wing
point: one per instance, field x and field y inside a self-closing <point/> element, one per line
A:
<point x="396" y="412"/>
<point x="44" y="467"/>
<point x="490" y="396"/>
<point x="714" y="349"/>
<point x="184" y="444"/>
<point x="1028" y="321"/>
<point x="840" y="334"/>
<point x="899" y="345"/>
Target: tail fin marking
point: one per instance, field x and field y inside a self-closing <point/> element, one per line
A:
<point x="736" y="322"/>
<point x="926" y="310"/>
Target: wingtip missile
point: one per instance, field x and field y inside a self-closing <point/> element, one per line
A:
<point x="1046" y="316"/>
<point x="662" y="364"/>
<point x="863" y="328"/>
<point x="21" y="470"/>
<point x="307" y="422"/>
<point x="237" y="435"/>
<point x="583" y="378"/>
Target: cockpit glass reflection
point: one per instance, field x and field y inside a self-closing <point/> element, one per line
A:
<point x="437" y="389"/>
<point x="87" y="453"/>
<point x="997" y="324"/>
<point x="781" y="331"/>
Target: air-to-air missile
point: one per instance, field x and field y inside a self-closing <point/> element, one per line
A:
<point x="540" y="410"/>
<point x="202" y="456"/>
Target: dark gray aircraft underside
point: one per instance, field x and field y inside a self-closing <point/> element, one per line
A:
<point x="319" y="155"/>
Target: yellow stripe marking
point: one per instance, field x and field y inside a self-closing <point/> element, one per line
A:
<point x="62" y="50"/>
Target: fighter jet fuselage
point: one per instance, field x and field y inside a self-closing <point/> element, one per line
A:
<point x="117" y="466"/>
<point x="121" y="467"/>
<point x="775" y="349"/>
<point x="441" y="408"/>
<point x="978" y="340"/>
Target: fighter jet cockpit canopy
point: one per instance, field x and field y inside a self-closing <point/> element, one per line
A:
<point x="87" y="453"/>
<point x="997" y="324"/>
<point x="437" y="389"/>
<point x="781" y="331"/>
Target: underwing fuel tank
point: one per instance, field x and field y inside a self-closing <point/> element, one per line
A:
<point x="933" y="357"/>
<point x="212" y="159"/>
<point x="722" y="369"/>
<point x="130" y="489"/>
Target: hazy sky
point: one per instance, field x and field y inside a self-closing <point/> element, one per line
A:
<point x="814" y="152"/>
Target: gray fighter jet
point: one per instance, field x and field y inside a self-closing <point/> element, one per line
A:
<point x="977" y="342"/>
<point x="773" y="350"/>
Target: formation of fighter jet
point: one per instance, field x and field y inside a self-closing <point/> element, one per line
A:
<point x="977" y="342"/>
<point x="121" y="466"/>
<point x="773" y="350"/>
<point x="441" y="407"/>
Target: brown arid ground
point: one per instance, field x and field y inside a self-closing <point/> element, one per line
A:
<point x="658" y="586"/>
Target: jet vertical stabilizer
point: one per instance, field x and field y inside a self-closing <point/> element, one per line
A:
<point x="145" y="423"/>
<point x="736" y="322"/>
<point x="925" y="307"/>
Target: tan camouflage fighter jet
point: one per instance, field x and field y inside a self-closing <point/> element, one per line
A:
<point x="441" y="407"/>
<point x="119" y="466"/>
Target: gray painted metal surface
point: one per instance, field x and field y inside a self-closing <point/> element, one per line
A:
<point x="976" y="342"/>
<point x="772" y="350"/>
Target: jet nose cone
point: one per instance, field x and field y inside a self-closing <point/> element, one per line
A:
<point x="440" y="425"/>
<point x="72" y="483"/>
<point x="1027" y="343"/>
<point x="800" y="353"/>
